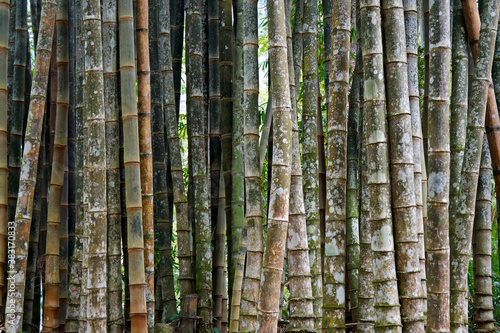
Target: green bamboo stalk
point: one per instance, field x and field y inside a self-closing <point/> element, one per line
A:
<point x="215" y="158"/>
<point x="335" y="242"/>
<point x="386" y="303"/>
<point x="274" y="253"/>
<point x="4" y="53"/>
<point x="112" y="124"/>
<point x="238" y="227"/>
<point x="96" y="170"/>
<point x="310" y="152"/>
<point x="483" y="300"/>
<point x="135" y="239"/>
<point x="352" y="230"/>
<point x="402" y="167"/>
<point x="30" y="159"/>
<point x="253" y="209"/>
<point x="184" y="236"/>
<point x="411" y="29"/>
<point x="461" y="232"/>
<point x="226" y="95"/>
<point x="199" y="166"/>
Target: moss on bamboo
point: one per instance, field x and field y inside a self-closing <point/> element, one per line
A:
<point x="310" y="153"/>
<point x="335" y="217"/>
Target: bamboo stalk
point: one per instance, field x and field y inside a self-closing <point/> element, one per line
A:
<point x="226" y="95"/>
<point x="459" y="104"/>
<point x="63" y="248"/>
<point x="195" y="112"/>
<point x="438" y="282"/>
<point x="31" y="278"/>
<point x="402" y="167"/>
<point x="352" y="230"/>
<point x="239" y="226"/>
<point x="280" y="183"/>
<point x="145" y="147"/>
<point x="163" y="218"/>
<point x="310" y="153"/>
<point x="72" y="132"/>
<point x="366" y="309"/>
<point x="411" y="29"/>
<point x="253" y="210"/>
<point x="4" y="53"/>
<point x="483" y="300"/>
<point x="30" y="159"/>
<point x="75" y="279"/>
<point x="135" y="239"/>
<point x="184" y="236"/>
<point x="96" y="170"/>
<point x="461" y="232"/>
<point x="177" y="41"/>
<point x="335" y="242"/>
<point x="298" y="42"/>
<point x="386" y="302"/>
<point x="112" y="124"/>
<point x="219" y="261"/>
<point x="15" y="121"/>
<point x="425" y="104"/>
<point x="215" y="159"/>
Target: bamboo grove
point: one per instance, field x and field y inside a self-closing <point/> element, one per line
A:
<point x="249" y="166"/>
